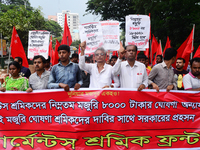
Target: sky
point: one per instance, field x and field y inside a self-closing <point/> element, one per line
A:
<point x="51" y="7"/>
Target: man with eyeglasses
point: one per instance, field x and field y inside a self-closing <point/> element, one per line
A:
<point x="132" y="73"/>
<point x="100" y="73"/>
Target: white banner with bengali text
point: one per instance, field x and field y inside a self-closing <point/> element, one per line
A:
<point x="38" y="43"/>
<point x="137" y="31"/>
<point x="111" y="35"/>
<point x="92" y="34"/>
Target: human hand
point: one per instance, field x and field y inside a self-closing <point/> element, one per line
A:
<point x="64" y="86"/>
<point x="77" y="86"/>
<point x="141" y="87"/>
<point x="155" y="86"/>
<point x="29" y="90"/>
<point x="169" y="87"/>
<point x="2" y="89"/>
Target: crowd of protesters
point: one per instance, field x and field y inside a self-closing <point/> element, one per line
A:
<point x="129" y="70"/>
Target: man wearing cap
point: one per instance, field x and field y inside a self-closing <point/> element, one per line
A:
<point x="65" y="74"/>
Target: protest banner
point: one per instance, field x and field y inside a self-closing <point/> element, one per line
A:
<point x="111" y="35"/>
<point x="92" y="34"/>
<point x="38" y="43"/>
<point x="99" y="119"/>
<point x="137" y="31"/>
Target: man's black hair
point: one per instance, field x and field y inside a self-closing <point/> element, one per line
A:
<point x="64" y="47"/>
<point x="196" y="59"/>
<point x="40" y="56"/>
<point x="132" y="45"/>
<point x="141" y="56"/>
<point x="170" y="53"/>
<point x="74" y="55"/>
<point x="181" y="59"/>
<point x="19" y="59"/>
<point x="161" y="57"/>
<point x="114" y="57"/>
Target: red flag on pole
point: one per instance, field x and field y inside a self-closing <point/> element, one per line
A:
<point x="146" y="52"/>
<point x="197" y="53"/>
<point x="154" y="48"/>
<point x="67" y="39"/>
<point x="17" y="49"/>
<point x="51" y="50"/>
<point x="168" y="45"/>
<point x="185" y="49"/>
<point x="56" y="58"/>
<point x="159" y="52"/>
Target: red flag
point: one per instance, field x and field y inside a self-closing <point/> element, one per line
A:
<point x="115" y="53"/>
<point x="154" y="48"/>
<point x="17" y="49"/>
<point x="56" y="58"/>
<point x="50" y="47"/>
<point x="168" y="45"/>
<point x="146" y="52"/>
<point x="51" y="50"/>
<point x="197" y="53"/>
<point x="159" y="52"/>
<point x="67" y="39"/>
<point x="52" y="56"/>
<point x="184" y="50"/>
<point x="79" y="49"/>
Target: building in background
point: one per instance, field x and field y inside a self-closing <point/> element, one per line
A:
<point x="73" y="23"/>
<point x="51" y="17"/>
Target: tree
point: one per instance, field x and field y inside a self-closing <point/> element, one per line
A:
<point x="173" y="18"/>
<point x="76" y="43"/>
<point x="54" y="28"/>
<point x="23" y="20"/>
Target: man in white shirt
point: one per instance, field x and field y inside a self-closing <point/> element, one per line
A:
<point x="100" y="73"/>
<point x="132" y="73"/>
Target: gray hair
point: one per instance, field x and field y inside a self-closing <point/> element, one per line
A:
<point x="100" y="49"/>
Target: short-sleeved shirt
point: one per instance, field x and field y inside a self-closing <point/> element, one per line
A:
<point x="190" y="81"/>
<point x="37" y="83"/>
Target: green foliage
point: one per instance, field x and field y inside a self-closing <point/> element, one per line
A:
<point x="76" y="43"/>
<point x="173" y="18"/>
<point x="54" y="28"/>
<point x="23" y="20"/>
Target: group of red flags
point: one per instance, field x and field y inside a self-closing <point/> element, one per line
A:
<point x="183" y="51"/>
<point x="66" y="39"/>
<point x="17" y="49"/>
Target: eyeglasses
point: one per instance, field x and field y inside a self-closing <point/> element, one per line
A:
<point x="131" y="50"/>
<point x="100" y="54"/>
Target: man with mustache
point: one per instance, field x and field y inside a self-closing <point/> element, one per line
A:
<point x="39" y="79"/>
<point x="65" y="74"/>
<point x="191" y="81"/>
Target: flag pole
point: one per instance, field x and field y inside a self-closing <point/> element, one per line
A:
<point x="191" y="55"/>
<point x="161" y="46"/>
<point x="9" y="51"/>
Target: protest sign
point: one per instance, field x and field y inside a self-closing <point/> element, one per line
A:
<point x="110" y="31"/>
<point x="137" y="31"/>
<point x="99" y="119"/>
<point x="38" y="43"/>
<point x="92" y="34"/>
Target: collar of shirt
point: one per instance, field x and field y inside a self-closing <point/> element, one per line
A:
<point x="135" y="64"/>
<point x="164" y="65"/>
<point x="60" y="64"/>
<point x="104" y="67"/>
<point x="43" y="74"/>
<point x="190" y="73"/>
